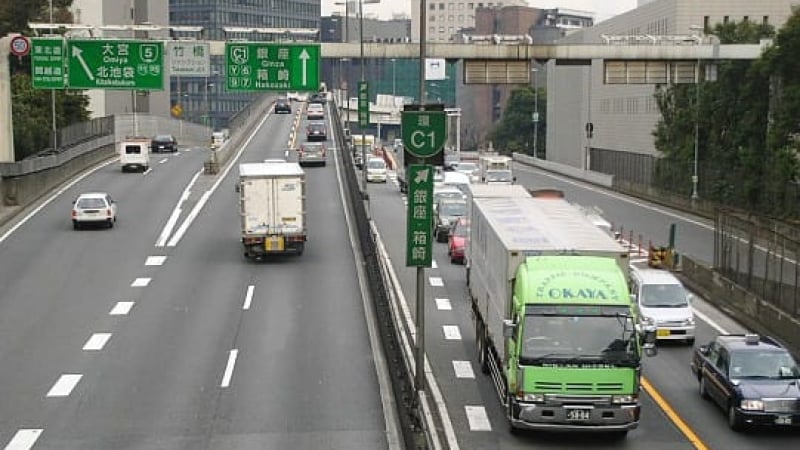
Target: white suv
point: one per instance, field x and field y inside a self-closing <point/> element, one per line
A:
<point x="94" y="208"/>
<point x="663" y="302"/>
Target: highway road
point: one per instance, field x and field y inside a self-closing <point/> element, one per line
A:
<point x="158" y="334"/>
<point x="674" y="416"/>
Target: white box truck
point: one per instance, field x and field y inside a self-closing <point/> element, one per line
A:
<point x="555" y="324"/>
<point x="134" y="154"/>
<point x="495" y="169"/>
<point x="272" y="198"/>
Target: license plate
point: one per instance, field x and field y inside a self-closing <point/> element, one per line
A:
<point x="783" y="420"/>
<point x="579" y="414"/>
<point x="273" y="243"/>
<point x="662" y="333"/>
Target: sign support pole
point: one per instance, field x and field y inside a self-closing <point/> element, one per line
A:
<point x="420" y="356"/>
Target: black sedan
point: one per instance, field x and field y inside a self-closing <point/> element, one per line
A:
<point x="754" y="379"/>
<point x="316" y="131"/>
<point x="164" y="143"/>
<point x="283" y="106"/>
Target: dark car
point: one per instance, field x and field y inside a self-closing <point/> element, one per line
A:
<point x="283" y="106"/>
<point x="753" y="378"/>
<point x="447" y="212"/>
<point x="164" y="143"/>
<point x="316" y="131"/>
<point x="317" y="98"/>
<point x="312" y="153"/>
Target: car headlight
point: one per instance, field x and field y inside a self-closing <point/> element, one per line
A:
<point x="444" y="222"/>
<point x="533" y="398"/>
<point x="688" y="322"/>
<point x="628" y="398"/>
<point x="752" y="404"/>
<point x="648" y="320"/>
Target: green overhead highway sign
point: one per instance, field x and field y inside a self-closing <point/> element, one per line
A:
<point x="419" y="216"/>
<point x="47" y="63"/>
<point x="423" y="132"/>
<point x="363" y="104"/>
<point x="259" y="66"/>
<point x="115" y="64"/>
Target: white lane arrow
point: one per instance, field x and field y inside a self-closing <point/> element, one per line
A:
<point x="77" y="53"/>
<point x="304" y="57"/>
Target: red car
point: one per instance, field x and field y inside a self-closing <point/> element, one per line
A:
<point x="457" y="241"/>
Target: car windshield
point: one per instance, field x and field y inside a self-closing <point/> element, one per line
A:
<point x="466" y="167"/>
<point x="763" y="364"/>
<point x="606" y="338"/>
<point x="376" y="164"/>
<point x="498" y="176"/>
<point x="453" y="209"/>
<point x="86" y="203"/>
<point x="312" y="148"/>
<point x="163" y="137"/>
<point x="460" y="230"/>
<point x="446" y="194"/>
<point x="663" y="296"/>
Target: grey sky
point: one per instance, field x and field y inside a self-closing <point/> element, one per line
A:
<point x="603" y="9"/>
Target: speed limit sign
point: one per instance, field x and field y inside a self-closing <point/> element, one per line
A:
<point x="20" y="46"/>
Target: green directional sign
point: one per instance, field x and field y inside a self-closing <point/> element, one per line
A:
<point x="419" y="216"/>
<point x="424" y="132"/>
<point x="259" y="66"/>
<point x="47" y="63"/>
<point x="115" y="64"/>
<point x="363" y="104"/>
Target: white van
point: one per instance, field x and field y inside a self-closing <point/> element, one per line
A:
<point x="376" y="170"/>
<point x="134" y="154"/>
<point x="458" y="180"/>
<point x="663" y="302"/>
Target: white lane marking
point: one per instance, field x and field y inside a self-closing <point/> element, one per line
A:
<point x="478" y="420"/>
<point x="204" y="198"/>
<point x="463" y="369"/>
<point x="140" y="282"/>
<point x="173" y="218"/>
<point x="155" y="260"/>
<point x="616" y="196"/>
<point x="451" y="332"/>
<point x="226" y="378"/>
<point x="436" y="281"/>
<point x="433" y="264"/>
<point x="248" y="298"/>
<point x="24" y="439"/>
<point x="97" y="341"/>
<point x="163" y="160"/>
<point x="51" y="198"/>
<point x="708" y="320"/>
<point x="149" y="169"/>
<point x="65" y="384"/>
<point x="121" y="309"/>
<point x="443" y="304"/>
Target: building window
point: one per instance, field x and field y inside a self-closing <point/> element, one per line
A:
<point x="706" y="21"/>
<point x="432" y="19"/>
<point x="470" y="5"/>
<point x="460" y="6"/>
<point x="441" y="29"/>
<point x="441" y="18"/>
<point x="725" y="20"/>
<point x="432" y="6"/>
<point x="441" y="6"/>
<point x="765" y="20"/>
<point x="450" y="18"/>
<point x="451" y="6"/>
<point x="431" y="30"/>
<point x="450" y="30"/>
<point x="461" y="18"/>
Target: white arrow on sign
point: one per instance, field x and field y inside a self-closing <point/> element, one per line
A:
<point x="304" y="56"/>
<point x="77" y="53"/>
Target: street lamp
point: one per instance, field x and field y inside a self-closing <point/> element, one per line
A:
<point x="535" y="110"/>
<point x="695" y="177"/>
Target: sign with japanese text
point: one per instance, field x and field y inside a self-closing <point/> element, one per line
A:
<point x="47" y="63"/>
<point x="189" y="58"/>
<point x="260" y="66"/>
<point x="115" y="64"/>
<point x="363" y="104"/>
<point x="419" y="216"/>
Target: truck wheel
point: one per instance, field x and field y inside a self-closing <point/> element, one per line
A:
<point x="483" y="353"/>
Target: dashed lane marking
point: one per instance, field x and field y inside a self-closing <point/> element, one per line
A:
<point x="121" y="309"/>
<point x="463" y="369"/>
<point x="443" y="304"/>
<point x="478" y="420"/>
<point x="434" y="265"/>
<point x="65" y="384"/>
<point x="155" y="260"/>
<point x="248" y="298"/>
<point x="436" y="281"/>
<point x="24" y="439"/>
<point x="140" y="282"/>
<point x="226" y="378"/>
<point x="451" y="332"/>
<point x="97" y="341"/>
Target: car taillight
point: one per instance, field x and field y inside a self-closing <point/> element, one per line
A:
<point x="74" y="213"/>
<point x="108" y="212"/>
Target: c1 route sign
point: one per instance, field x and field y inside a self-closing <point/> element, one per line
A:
<point x="115" y="64"/>
<point x="419" y="216"/>
<point x="423" y="132"/>
<point x="48" y="63"/>
<point x="260" y="66"/>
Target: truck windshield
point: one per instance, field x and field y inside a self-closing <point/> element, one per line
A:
<point x="585" y="338"/>
<point x="499" y="176"/>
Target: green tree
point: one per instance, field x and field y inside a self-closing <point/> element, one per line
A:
<point x="514" y="132"/>
<point x="32" y="107"/>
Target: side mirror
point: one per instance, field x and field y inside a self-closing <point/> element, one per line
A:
<point x="508" y="328"/>
<point x="238" y="188"/>
<point x="514" y="179"/>
<point x="690" y="298"/>
<point x="649" y="340"/>
<point x="703" y="349"/>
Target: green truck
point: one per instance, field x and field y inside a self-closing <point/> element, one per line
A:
<point x="555" y="324"/>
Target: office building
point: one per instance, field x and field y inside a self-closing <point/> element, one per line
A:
<point x="445" y="19"/>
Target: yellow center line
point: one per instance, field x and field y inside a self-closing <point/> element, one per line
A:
<point x="673" y="415"/>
